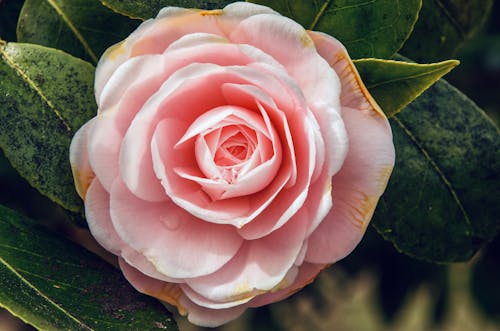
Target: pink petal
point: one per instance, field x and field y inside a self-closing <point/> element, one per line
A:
<point x="354" y="93"/>
<point x="211" y="118"/>
<point x="114" y="56"/>
<point x="174" y="99"/>
<point x="165" y="291"/>
<point x="290" y="199"/>
<point x="171" y="24"/>
<point x="168" y="28"/>
<point x="173" y="295"/>
<point x="364" y="175"/>
<point x="207" y="317"/>
<point x="258" y="266"/>
<point x="288" y="43"/>
<point x="242" y="10"/>
<point x="209" y="81"/>
<point x="174" y="241"/>
<point x="275" y="215"/>
<point x="292" y="47"/>
<point x="169" y="162"/>
<point x="248" y="182"/>
<point x="101" y="227"/>
<point x="79" y="159"/>
<point x="306" y="274"/>
<point x="122" y="100"/>
<point x="103" y="145"/>
<point x="99" y="220"/>
<point x="356" y="187"/>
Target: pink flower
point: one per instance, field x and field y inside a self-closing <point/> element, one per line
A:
<point x="222" y="141"/>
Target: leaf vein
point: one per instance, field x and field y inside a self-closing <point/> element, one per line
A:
<point x="25" y="281"/>
<point x="75" y="31"/>
<point x="319" y="14"/>
<point x="33" y="85"/>
<point x="423" y="74"/>
<point x="437" y="169"/>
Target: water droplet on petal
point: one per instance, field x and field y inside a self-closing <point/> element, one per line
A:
<point x="171" y="221"/>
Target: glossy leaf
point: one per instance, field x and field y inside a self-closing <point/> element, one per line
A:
<point x="443" y="27"/>
<point x="83" y="28"/>
<point x="394" y="84"/>
<point x="46" y="95"/>
<point x="441" y="203"/>
<point x="367" y="28"/>
<point x="53" y="284"/>
<point x="144" y="9"/>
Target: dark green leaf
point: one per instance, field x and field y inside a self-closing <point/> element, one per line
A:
<point x="46" y="95"/>
<point x="394" y="84"/>
<point x="53" y="284"/>
<point x="83" y="28"/>
<point x="9" y="12"/>
<point x="441" y="203"/>
<point x="375" y="28"/>
<point x="443" y="27"/>
<point x="144" y="9"/>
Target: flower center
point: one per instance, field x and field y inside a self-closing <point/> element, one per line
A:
<point x="232" y="153"/>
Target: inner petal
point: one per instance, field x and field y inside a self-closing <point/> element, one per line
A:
<point x="234" y="150"/>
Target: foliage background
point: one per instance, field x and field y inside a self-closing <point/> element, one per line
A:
<point x="375" y="288"/>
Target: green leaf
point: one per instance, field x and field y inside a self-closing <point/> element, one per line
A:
<point x="443" y="26"/>
<point x="144" y="9"/>
<point x="46" y="95"/>
<point x="376" y="28"/>
<point x="441" y="203"/>
<point x="53" y="284"/>
<point x="394" y="84"/>
<point x="83" y="28"/>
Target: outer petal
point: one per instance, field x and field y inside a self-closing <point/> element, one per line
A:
<point x="307" y="273"/>
<point x="101" y="227"/>
<point x="99" y="220"/>
<point x="288" y="43"/>
<point x="356" y="187"/>
<point x="165" y="291"/>
<point x="260" y="265"/>
<point x="79" y="159"/>
<point x="210" y="317"/>
<point x="103" y="147"/>
<point x="174" y="241"/>
<point x="155" y="35"/>
<point x="366" y="170"/>
<point x="354" y="93"/>
<point x="172" y="294"/>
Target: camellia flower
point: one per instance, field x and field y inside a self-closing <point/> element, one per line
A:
<point x="233" y="157"/>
